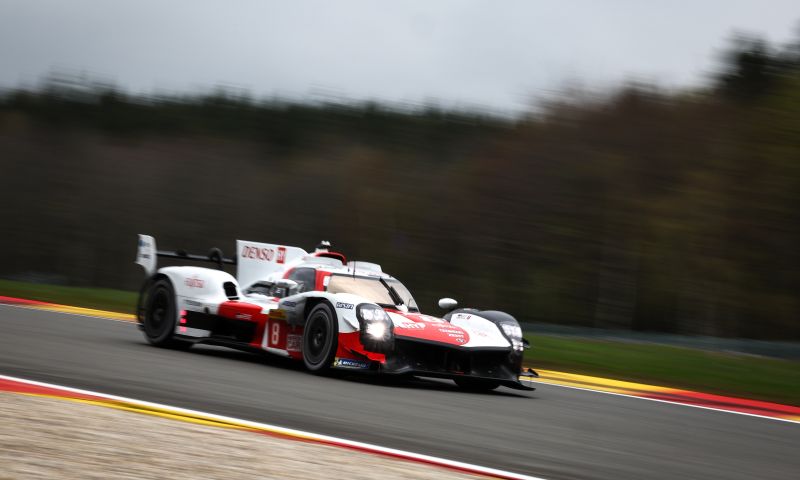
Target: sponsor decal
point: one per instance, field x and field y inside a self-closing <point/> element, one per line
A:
<point x="293" y="342"/>
<point x="455" y="331"/>
<point x="281" y="255"/>
<point x="412" y="325"/>
<point x="244" y="316"/>
<point x="349" y="363"/>
<point x="289" y="304"/>
<point x="430" y="328"/>
<point x="265" y="254"/>
<point x="194" y="282"/>
<point x="193" y="303"/>
<point x="277" y="314"/>
<point x="346" y="306"/>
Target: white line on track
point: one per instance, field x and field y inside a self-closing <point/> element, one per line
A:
<point x="668" y="401"/>
<point x="326" y="439"/>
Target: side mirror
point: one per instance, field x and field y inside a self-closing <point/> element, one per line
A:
<point x="289" y="286"/>
<point x="447" y="304"/>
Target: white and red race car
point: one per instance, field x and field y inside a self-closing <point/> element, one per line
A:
<point x="330" y="313"/>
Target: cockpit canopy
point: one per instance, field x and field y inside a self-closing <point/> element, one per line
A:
<point x="386" y="292"/>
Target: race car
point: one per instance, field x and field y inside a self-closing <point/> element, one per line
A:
<point x="329" y="313"/>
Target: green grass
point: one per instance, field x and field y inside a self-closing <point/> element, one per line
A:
<point x="121" y="301"/>
<point x="727" y="374"/>
<point x="712" y="372"/>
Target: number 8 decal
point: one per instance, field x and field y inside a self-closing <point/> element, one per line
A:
<point x="276" y="333"/>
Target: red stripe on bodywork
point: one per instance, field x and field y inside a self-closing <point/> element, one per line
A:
<point x="247" y="312"/>
<point x="423" y="327"/>
<point x="320" y="280"/>
<point x="350" y="347"/>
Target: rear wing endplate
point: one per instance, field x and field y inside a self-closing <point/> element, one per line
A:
<point x="146" y="255"/>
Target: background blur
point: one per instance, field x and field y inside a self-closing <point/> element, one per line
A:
<point x="635" y="207"/>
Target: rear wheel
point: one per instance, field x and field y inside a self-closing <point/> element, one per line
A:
<point x="320" y="339"/>
<point x="476" y="384"/>
<point x="160" y="315"/>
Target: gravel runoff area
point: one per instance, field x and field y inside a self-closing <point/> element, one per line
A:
<point x="54" y="438"/>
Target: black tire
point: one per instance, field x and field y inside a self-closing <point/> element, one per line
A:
<point x="320" y="339"/>
<point x="476" y="384"/>
<point x="160" y="315"/>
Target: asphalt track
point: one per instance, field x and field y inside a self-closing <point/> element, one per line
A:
<point x="554" y="432"/>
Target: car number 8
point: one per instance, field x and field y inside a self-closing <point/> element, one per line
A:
<point x="276" y="333"/>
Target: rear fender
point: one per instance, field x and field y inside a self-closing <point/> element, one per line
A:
<point x="207" y="286"/>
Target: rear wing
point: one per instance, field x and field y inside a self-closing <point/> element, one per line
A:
<point x="254" y="261"/>
<point x="263" y="261"/>
<point x="147" y="254"/>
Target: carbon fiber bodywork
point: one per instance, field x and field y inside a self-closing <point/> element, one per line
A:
<point x="412" y="357"/>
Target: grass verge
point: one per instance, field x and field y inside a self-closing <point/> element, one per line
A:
<point x="691" y="369"/>
<point x="121" y="301"/>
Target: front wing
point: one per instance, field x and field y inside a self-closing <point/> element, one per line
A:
<point x="410" y="357"/>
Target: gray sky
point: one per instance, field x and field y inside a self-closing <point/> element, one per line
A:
<point x="497" y="54"/>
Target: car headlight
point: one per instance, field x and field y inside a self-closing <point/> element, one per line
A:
<point x="513" y="332"/>
<point x="372" y="313"/>
<point x="377" y="330"/>
<point x="374" y="321"/>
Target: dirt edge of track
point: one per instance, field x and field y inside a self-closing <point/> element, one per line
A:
<point x="45" y="437"/>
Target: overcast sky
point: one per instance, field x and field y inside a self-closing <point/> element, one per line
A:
<point x="497" y="54"/>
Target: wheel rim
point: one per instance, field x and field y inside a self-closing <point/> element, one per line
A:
<point x="317" y="339"/>
<point x="159" y="313"/>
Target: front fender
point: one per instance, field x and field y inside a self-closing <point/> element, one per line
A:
<point x="344" y="305"/>
<point x="483" y="331"/>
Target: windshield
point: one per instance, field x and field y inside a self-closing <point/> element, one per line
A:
<point x="372" y="289"/>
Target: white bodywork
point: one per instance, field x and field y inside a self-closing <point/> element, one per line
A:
<point x="264" y="261"/>
<point x="483" y="333"/>
<point x="202" y="289"/>
<point x="146" y="254"/>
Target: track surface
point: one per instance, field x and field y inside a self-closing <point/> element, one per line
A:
<point x="553" y="432"/>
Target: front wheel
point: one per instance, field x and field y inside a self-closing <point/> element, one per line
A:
<point x="320" y="339"/>
<point x="160" y="315"/>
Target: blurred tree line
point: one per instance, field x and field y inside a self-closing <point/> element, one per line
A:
<point x="641" y="210"/>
